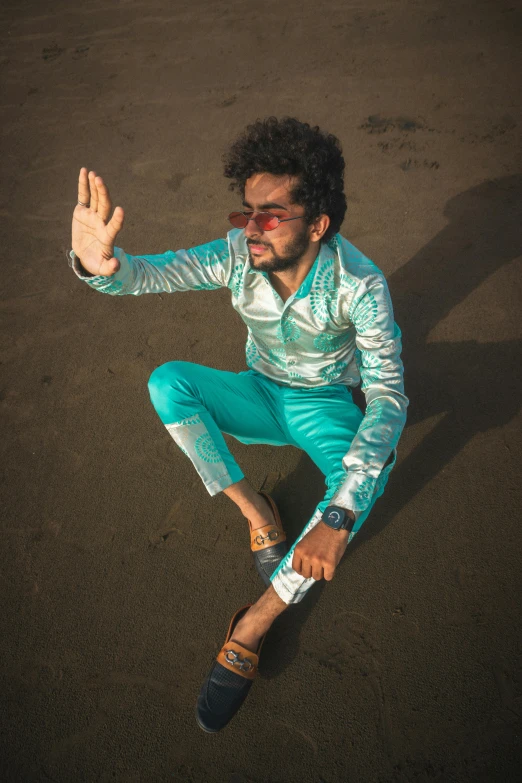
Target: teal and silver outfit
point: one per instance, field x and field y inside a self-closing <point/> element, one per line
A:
<point x="305" y="355"/>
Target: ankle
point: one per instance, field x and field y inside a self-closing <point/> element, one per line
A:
<point x="258" y="512"/>
<point x="255" y="504"/>
<point x="248" y="634"/>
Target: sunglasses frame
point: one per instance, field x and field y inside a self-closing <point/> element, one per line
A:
<point x="255" y="216"/>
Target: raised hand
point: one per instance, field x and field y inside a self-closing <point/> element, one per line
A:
<point x="93" y="234"/>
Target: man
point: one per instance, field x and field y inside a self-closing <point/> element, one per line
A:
<point x="319" y="320"/>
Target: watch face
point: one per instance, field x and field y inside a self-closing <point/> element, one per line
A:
<point x="334" y="517"/>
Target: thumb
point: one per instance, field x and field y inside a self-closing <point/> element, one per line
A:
<point x="109" y="267"/>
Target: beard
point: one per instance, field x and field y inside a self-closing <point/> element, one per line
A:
<point x="286" y="259"/>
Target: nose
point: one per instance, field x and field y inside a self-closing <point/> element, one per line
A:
<point x="252" y="230"/>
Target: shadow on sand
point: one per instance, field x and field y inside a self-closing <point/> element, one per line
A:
<point x="476" y="386"/>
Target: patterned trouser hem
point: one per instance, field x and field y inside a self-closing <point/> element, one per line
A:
<point x="219" y="484"/>
<point x="290" y="586"/>
<point x="195" y="441"/>
<point x="289" y="595"/>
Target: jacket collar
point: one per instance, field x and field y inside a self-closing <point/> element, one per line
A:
<point x="327" y="253"/>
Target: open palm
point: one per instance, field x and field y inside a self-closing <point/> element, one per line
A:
<point x="93" y="234"/>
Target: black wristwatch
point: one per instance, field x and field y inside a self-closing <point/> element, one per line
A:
<point x="338" y="518"/>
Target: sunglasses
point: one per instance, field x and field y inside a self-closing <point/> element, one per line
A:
<point x="265" y="220"/>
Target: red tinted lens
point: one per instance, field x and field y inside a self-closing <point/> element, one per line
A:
<point x="237" y="219"/>
<point x="266" y="221"/>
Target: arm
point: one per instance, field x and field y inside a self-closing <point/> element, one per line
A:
<point x="109" y="269"/>
<point x="205" y="267"/>
<point x="378" y="340"/>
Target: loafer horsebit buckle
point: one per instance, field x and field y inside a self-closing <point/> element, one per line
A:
<point x="270" y="536"/>
<point x="234" y="658"/>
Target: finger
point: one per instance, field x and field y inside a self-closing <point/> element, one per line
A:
<point x="84" y="194"/>
<point x="115" y="224"/>
<point x="104" y="199"/>
<point x="306" y="570"/>
<point x="329" y="574"/>
<point x="93" y="190"/>
<point x="317" y="572"/>
<point x="297" y="563"/>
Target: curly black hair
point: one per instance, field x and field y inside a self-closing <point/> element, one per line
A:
<point x="288" y="146"/>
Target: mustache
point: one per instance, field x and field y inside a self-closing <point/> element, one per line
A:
<point x="260" y="244"/>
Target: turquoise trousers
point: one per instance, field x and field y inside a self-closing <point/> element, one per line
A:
<point x="197" y="404"/>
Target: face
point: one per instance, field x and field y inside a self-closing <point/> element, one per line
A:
<point x="282" y="248"/>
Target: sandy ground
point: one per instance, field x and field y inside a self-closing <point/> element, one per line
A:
<point x="119" y="574"/>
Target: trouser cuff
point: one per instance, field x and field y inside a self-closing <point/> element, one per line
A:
<point x="221" y="483"/>
<point x="291" y="595"/>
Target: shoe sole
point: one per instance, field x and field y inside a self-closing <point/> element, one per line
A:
<point x="204" y="728"/>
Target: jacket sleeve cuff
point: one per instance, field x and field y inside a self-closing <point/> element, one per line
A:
<point x="355" y="493"/>
<point x="79" y="271"/>
<point x="112" y="284"/>
<point x="359" y="490"/>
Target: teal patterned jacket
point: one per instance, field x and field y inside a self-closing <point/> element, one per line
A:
<point x="337" y="328"/>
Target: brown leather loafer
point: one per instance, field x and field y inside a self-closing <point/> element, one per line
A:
<point x="268" y="544"/>
<point x="228" y="682"/>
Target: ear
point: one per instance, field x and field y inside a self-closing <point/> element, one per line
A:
<point x="319" y="228"/>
